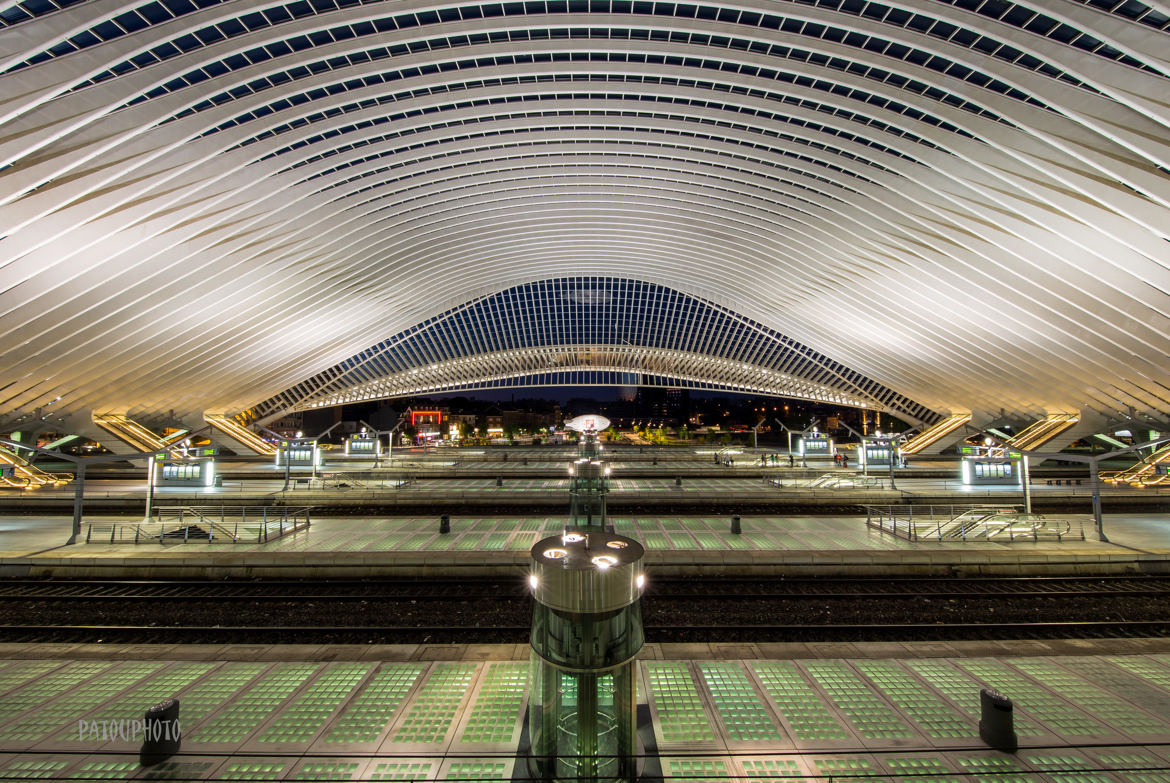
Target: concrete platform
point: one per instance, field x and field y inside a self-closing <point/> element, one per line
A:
<point x="1084" y="711"/>
<point x="356" y="546"/>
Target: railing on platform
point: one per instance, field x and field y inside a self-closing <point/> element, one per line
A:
<point x="965" y="523"/>
<point x="806" y="480"/>
<point x="363" y="479"/>
<point x="215" y="524"/>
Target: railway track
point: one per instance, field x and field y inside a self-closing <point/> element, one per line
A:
<point x="478" y="589"/>
<point x="727" y="633"/>
<point x="483" y="611"/>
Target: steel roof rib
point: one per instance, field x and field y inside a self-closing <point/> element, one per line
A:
<point x="955" y="209"/>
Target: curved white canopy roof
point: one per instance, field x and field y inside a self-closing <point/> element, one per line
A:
<point x="205" y="203"/>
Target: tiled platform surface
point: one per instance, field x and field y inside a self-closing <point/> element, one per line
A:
<point x="1084" y="711"/>
<point x="34" y="546"/>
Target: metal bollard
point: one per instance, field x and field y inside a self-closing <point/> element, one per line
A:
<point x="444" y="525"/>
<point x="678" y="481"/>
<point x="996" y="723"/>
<point x="735" y="528"/>
<point x="499" y="481"/>
<point x="161" y="733"/>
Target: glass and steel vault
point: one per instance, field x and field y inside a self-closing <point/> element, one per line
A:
<point x="204" y="203"/>
<point x="589" y="331"/>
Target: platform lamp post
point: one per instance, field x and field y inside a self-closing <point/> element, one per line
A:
<point x="1025" y="474"/>
<point x="1094" y="464"/>
<point x="389" y="439"/>
<point x="150" y="484"/>
<point x="80" y="464"/>
<point x="316" y="449"/>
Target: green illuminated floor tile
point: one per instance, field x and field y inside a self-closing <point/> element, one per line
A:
<point x="999" y="768"/>
<point x="81" y="699"/>
<point x="252" y="770"/>
<point x="1100" y="703"/>
<point x="394" y="540"/>
<point x="737" y="704"/>
<point x="1065" y="766"/>
<point x="797" y="701"/>
<point x="845" y="767"/>
<point x="497" y="706"/>
<point x="416" y="541"/>
<point x="326" y="770"/>
<point x="48" y="687"/>
<point x="872" y="717"/>
<point x="523" y="541"/>
<point x="179" y="770"/>
<point x="108" y="769"/>
<point x="1150" y="670"/>
<point x="21" y="672"/>
<point x="766" y="769"/>
<point x="478" y="770"/>
<point x="963" y="690"/>
<point x="468" y="542"/>
<point x="436" y="705"/>
<point x="936" y="718"/>
<point x="709" y="541"/>
<point x="371" y="711"/>
<point x="1132" y="765"/>
<point x="135" y="701"/>
<point x="306" y="715"/>
<point x="681" y="717"/>
<point x="402" y="770"/>
<point x="736" y="542"/>
<point x="655" y="541"/>
<point x="254" y="706"/>
<point x="495" y="542"/>
<point x="760" y="540"/>
<point x="32" y="769"/>
<point x="216" y="689"/>
<point x="922" y="769"/>
<point x="1046" y="706"/>
<point x="696" y="770"/>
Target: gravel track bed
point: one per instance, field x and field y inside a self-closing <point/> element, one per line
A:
<point x="505" y="617"/>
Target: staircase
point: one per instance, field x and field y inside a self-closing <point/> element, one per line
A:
<point x="935" y="433"/>
<point x="240" y="434"/>
<point x="1038" y="433"/>
<point x="128" y="431"/>
<point x="25" y="475"/>
<point x="1151" y="471"/>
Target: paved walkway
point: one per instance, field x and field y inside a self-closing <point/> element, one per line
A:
<point x="24" y="535"/>
<point x="893" y="712"/>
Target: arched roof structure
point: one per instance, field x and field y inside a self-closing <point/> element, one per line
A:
<point x="205" y="203"/>
<point x="588" y="331"/>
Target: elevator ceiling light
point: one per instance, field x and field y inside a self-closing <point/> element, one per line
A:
<point x="555" y="554"/>
<point x="605" y="561"/>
